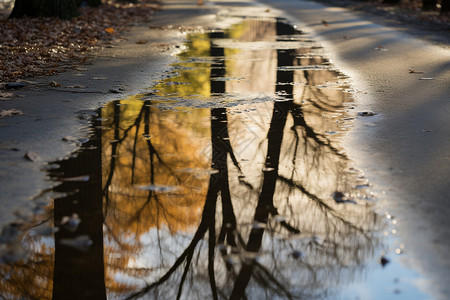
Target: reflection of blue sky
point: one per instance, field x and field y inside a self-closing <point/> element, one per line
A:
<point x="395" y="281"/>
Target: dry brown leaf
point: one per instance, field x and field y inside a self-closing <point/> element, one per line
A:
<point x="10" y="112"/>
<point x="32" y="156"/>
<point x="109" y="30"/>
<point x="6" y="95"/>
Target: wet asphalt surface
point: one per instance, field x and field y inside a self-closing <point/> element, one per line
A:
<point x="390" y="146"/>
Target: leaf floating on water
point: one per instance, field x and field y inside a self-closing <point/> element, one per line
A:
<point x="384" y="261"/>
<point x="81" y="243"/>
<point x="279" y="218"/>
<point x="231" y="260"/>
<point x="54" y="84"/>
<point x="366" y="114"/>
<point x="223" y="249"/>
<point x="71" y="223"/>
<point x="340" y="197"/>
<point x="198" y="171"/>
<point x="268" y="169"/>
<point x="297" y="254"/>
<point x="158" y="188"/>
<point x="31" y="156"/>
<point x="317" y="240"/>
<point x="77" y="178"/>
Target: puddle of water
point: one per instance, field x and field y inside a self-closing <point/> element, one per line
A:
<point x="228" y="180"/>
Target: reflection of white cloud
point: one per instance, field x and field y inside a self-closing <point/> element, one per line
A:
<point x="425" y="285"/>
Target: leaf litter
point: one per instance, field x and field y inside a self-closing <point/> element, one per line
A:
<point x="46" y="46"/>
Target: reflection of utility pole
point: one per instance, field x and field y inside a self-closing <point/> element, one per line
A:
<point x="79" y="261"/>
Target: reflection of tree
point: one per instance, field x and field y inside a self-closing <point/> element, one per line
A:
<point x="243" y="265"/>
<point x="149" y="180"/>
<point x="242" y="212"/>
<point x="29" y="279"/>
<point x="79" y="271"/>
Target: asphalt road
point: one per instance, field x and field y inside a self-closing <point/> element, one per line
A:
<point x="404" y="149"/>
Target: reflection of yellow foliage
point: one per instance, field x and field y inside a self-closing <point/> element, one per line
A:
<point x="156" y="148"/>
<point x="151" y="150"/>
<point x="193" y="78"/>
<point x="31" y="278"/>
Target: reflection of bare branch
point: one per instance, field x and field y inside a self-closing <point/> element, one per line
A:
<point x="183" y="277"/>
<point x="133" y="162"/>
<point x="299" y="121"/>
<point x="319" y="95"/>
<point x="188" y="252"/>
<point x="324" y="207"/>
<point x="265" y="272"/>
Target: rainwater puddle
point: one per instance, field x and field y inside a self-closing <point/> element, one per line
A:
<point x="226" y="181"/>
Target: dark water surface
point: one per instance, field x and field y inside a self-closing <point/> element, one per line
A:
<point x="227" y="180"/>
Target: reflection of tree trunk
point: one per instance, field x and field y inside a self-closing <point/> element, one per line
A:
<point x="274" y="139"/>
<point x="80" y="274"/>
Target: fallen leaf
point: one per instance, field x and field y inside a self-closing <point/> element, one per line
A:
<point x="10" y="112"/>
<point x="32" y="156"/>
<point x="71" y="223"/>
<point x="158" y="188"/>
<point x="414" y="71"/>
<point x="384" y="261"/>
<point x="55" y="84"/>
<point x="81" y="243"/>
<point x="296" y="254"/>
<point x="76" y="178"/>
<point x="6" y="95"/>
<point x="340" y="197"/>
<point x="109" y="30"/>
